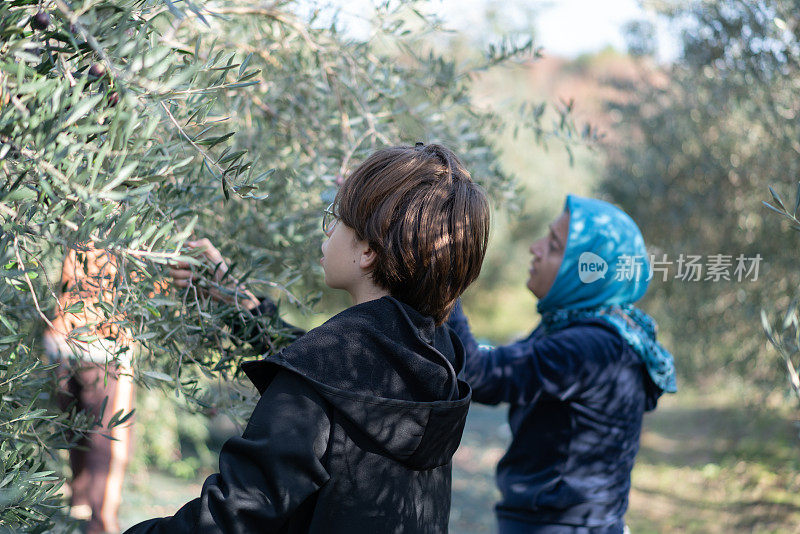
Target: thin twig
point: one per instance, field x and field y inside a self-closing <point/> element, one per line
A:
<point x="30" y="285"/>
<point x="353" y="149"/>
<point x="191" y="141"/>
<point x="46" y="279"/>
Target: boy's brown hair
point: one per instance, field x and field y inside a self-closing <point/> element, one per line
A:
<point x="427" y="221"/>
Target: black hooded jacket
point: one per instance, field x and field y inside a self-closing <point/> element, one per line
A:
<point x="354" y="432"/>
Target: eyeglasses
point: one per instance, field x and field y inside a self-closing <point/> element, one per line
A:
<point x="329" y="219"/>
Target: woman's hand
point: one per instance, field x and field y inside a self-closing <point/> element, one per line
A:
<point x="183" y="276"/>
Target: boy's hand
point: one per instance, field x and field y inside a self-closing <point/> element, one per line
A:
<point x="183" y="276"/>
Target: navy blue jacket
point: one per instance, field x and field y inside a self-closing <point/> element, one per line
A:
<point x="577" y="397"/>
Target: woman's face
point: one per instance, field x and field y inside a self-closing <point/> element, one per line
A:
<point x="548" y="253"/>
<point x="341" y="257"/>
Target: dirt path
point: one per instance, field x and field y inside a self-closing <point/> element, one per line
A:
<point x="706" y="466"/>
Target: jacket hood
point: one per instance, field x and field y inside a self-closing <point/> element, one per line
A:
<point x="390" y="371"/>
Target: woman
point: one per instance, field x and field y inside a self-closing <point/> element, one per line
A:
<point x="359" y="418"/>
<point x="579" y="384"/>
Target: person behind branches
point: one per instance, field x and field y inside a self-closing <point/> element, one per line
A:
<point x="94" y="376"/>
<point x="359" y="418"/>
<point x="579" y="384"/>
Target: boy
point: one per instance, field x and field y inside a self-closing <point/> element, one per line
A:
<point x="359" y="418"/>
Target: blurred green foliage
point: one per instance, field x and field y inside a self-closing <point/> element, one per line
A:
<point x="170" y="438"/>
<point x="703" y="140"/>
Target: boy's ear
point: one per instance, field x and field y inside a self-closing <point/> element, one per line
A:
<point x="368" y="258"/>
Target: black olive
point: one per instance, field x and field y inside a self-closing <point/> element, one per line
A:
<point x="97" y="70"/>
<point x="40" y="20"/>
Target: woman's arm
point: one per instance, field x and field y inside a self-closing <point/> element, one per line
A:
<point x="486" y="369"/>
<point x="560" y="364"/>
<point x="264" y="475"/>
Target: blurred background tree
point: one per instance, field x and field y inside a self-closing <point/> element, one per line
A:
<point x="135" y="124"/>
<point x="700" y="142"/>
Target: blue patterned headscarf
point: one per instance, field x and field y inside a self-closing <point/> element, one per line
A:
<point x="605" y="270"/>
